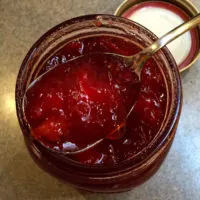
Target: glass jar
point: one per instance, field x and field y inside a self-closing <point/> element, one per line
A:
<point x="129" y="173"/>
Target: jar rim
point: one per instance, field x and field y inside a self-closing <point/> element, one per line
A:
<point x="172" y="119"/>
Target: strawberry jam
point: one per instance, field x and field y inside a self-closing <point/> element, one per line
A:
<point x="80" y="101"/>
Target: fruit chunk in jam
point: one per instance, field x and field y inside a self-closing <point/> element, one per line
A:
<point x="81" y="101"/>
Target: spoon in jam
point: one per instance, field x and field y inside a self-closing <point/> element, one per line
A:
<point x="136" y="63"/>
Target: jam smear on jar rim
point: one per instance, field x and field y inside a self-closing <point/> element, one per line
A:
<point x="78" y="102"/>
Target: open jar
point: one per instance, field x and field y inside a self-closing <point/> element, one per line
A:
<point x="129" y="173"/>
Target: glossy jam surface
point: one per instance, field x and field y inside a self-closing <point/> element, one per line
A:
<point x="81" y="101"/>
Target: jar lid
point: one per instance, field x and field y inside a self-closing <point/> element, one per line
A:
<point x="161" y="16"/>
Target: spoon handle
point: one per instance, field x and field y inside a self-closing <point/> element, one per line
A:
<point x="172" y="35"/>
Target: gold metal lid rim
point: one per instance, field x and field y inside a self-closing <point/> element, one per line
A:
<point x="185" y="5"/>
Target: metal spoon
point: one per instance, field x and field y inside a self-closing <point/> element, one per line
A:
<point x="136" y="63"/>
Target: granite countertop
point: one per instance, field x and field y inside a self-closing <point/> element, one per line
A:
<point x="21" y="24"/>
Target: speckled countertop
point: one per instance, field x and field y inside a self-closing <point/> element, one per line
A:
<point x="21" y="23"/>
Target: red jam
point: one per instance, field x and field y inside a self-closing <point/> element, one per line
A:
<point x="81" y="101"/>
